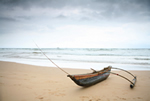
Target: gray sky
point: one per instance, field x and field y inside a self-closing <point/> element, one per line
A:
<point x="75" y="23"/>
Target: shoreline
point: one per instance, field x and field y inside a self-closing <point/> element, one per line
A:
<point x="128" y="59"/>
<point x="86" y="66"/>
<point x="22" y="82"/>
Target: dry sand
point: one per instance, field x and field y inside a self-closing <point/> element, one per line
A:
<point x="20" y="82"/>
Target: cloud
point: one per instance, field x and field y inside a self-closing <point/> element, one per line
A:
<point x="76" y="23"/>
<point x="7" y="19"/>
<point x="99" y="9"/>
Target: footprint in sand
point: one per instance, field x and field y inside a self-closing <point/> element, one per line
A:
<point x="1" y="83"/>
<point x="85" y="98"/>
<point x="25" y="79"/>
<point x="56" y="93"/>
<point x="89" y="99"/>
<point x="122" y="98"/>
<point x="139" y="98"/>
<point x="95" y="100"/>
<point x="40" y="97"/>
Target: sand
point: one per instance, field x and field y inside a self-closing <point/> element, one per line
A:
<point x="20" y="82"/>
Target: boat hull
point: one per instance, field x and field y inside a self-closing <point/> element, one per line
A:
<point x="90" y="79"/>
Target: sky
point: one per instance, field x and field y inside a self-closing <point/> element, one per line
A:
<point x="75" y="23"/>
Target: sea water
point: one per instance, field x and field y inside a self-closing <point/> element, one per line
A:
<point x="84" y="58"/>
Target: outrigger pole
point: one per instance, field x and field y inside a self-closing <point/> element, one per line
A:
<point x="132" y="82"/>
<point x="51" y="60"/>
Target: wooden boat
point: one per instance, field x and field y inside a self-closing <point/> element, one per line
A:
<point x="94" y="77"/>
<point x="91" y="78"/>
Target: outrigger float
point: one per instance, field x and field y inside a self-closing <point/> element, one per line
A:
<point x="90" y="79"/>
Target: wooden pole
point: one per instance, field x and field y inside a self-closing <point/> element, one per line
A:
<point x="132" y="82"/>
<point x="123" y="70"/>
<point x="51" y="60"/>
<point x="122" y="77"/>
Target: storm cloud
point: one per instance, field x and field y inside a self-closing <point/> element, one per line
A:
<point x="77" y="18"/>
<point x="92" y="9"/>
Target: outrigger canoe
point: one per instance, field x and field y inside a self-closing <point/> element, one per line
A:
<point x="90" y="79"/>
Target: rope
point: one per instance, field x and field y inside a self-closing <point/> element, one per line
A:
<point x="51" y="60"/>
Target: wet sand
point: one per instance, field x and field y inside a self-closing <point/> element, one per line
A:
<point x="21" y="82"/>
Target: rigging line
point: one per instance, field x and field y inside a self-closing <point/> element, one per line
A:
<point x="51" y="60"/>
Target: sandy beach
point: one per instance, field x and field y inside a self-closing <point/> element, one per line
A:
<point x="21" y="82"/>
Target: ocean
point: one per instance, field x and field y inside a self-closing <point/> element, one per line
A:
<point x="83" y="58"/>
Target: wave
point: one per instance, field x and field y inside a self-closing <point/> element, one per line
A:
<point x="84" y="55"/>
<point x="113" y="61"/>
